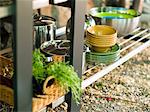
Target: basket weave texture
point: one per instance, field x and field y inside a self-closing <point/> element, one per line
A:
<point x="7" y="95"/>
<point x="50" y="94"/>
<point x="6" y="88"/>
<point x="5" y="64"/>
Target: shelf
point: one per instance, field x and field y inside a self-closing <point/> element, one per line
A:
<point x="7" y="50"/>
<point x="64" y="3"/>
<point x="144" y="34"/>
<point x="58" y="1"/>
<point x="60" y="31"/>
<point x="40" y="3"/>
<point x="37" y="4"/>
<point x="54" y="104"/>
<point x="6" y="11"/>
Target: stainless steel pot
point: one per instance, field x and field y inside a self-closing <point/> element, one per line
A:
<point x="44" y="30"/>
<point x="122" y="25"/>
<point x="89" y="21"/>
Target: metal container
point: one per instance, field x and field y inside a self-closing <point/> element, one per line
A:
<point x="56" y="50"/>
<point x="44" y="30"/>
<point x="122" y="25"/>
<point x="89" y="21"/>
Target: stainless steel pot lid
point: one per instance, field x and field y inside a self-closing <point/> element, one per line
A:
<point x="56" y="47"/>
<point x="41" y="20"/>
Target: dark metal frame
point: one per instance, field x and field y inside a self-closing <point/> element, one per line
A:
<point x="23" y="51"/>
<point x="23" y="55"/>
<point x="78" y="8"/>
<point x="22" y="32"/>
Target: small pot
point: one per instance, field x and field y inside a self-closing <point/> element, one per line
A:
<point x="89" y="21"/>
<point x="44" y="30"/>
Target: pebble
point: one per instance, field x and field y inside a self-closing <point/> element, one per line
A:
<point x="128" y="82"/>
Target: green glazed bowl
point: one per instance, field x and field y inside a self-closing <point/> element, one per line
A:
<point x="108" y="57"/>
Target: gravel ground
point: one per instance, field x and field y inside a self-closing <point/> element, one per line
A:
<point x="125" y="89"/>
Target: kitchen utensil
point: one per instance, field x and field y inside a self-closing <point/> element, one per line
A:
<point x="89" y="21"/>
<point x="56" y="50"/>
<point x="44" y="30"/>
<point x="122" y="19"/>
<point x="101" y="36"/>
<point x="107" y="57"/>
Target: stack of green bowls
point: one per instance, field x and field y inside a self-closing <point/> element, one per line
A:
<point x="107" y="57"/>
<point x="102" y="40"/>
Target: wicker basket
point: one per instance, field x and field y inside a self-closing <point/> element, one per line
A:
<point x="6" y="83"/>
<point x="50" y="94"/>
<point x="7" y="95"/>
<point x="6" y="67"/>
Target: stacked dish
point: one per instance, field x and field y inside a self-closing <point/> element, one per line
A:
<point x="102" y="41"/>
<point x="101" y="37"/>
<point x="108" y="57"/>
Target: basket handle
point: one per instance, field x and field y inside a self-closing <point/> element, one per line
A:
<point x="45" y="90"/>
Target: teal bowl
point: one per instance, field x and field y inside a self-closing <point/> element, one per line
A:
<point x="108" y="57"/>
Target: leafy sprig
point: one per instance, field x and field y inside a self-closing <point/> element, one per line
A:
<point x="61" y="71"/>
<point x="67" y="77"/>
<point x="38" y="66"/>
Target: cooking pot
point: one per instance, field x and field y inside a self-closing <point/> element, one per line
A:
<point x="44" y="30"/>
<point x="56" y="50"/>
<point x="89" y="21"/>
<point x="122" y="19"/>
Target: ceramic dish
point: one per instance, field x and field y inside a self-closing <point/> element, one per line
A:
<point x="101" y="36"/>
<point x="108" y="57"/>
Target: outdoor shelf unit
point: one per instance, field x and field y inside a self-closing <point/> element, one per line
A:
<point x="78" y="8"/>
<point x="22" y="13"/>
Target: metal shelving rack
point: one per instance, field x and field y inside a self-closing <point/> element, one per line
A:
<point x="23" y="55"/>
<point x="77" y="35"/>
<point x="140" y="36"/>
<point x="22" y="31"/>
<point x="23" y="45"/>
<point x="23" y="48"/>
<point x="21" y="12"/>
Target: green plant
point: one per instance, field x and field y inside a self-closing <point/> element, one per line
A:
<point x="38" y="66"/>
<point x="67" y="77"/>
<point x="61" y="71"/>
